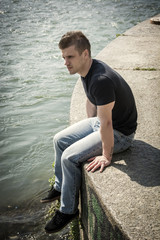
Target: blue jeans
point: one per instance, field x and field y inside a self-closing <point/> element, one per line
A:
<point x="74" y="145"/>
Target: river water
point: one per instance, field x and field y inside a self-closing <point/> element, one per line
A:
<point x="35" y="93"/>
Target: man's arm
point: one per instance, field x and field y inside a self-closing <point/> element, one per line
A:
<point x="91" y="109"/>
<point x="104" y="113"/>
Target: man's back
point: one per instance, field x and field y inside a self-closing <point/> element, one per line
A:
<point x="102" y="86"/>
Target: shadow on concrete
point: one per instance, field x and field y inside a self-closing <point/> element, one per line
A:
<point x="142" y="163"/>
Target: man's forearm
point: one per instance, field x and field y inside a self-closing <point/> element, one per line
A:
<point x="104" y="113"/>
<point x="103" y="160"/>
<point x="107" y="140"/>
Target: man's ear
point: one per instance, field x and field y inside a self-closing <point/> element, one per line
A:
<point x="86" y="53"/>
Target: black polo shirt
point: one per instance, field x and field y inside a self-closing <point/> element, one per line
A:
<point x="103" y="85"/>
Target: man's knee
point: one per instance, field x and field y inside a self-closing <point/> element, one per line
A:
<point x="58" y="141"/>
<point x="56" y="138"/>
<point x="68" y="157"/>
<point x="61" y="141"/>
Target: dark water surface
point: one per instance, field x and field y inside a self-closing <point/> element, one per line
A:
<point x="35" y="93"/>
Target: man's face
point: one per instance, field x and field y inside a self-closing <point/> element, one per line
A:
<point x="73" y="60"/>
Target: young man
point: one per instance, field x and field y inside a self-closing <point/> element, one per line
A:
<point x="109" y="128"/>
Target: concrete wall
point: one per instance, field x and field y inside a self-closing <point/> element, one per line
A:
<point x="123" y="202"/>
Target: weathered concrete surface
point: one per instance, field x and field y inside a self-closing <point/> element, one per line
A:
<point x="123" y="202"/>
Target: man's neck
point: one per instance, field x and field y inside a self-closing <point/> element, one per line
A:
<point x="87" y="68"/>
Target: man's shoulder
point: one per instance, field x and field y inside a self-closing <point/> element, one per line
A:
<point x="101" y="67"/>
<point x="99" y="64"/>
<point x="100" y="70"/>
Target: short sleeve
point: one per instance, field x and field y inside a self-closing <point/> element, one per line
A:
<point x="103" y="90"/>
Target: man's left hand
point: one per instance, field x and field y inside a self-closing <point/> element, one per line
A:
<point x="98" y="162"/>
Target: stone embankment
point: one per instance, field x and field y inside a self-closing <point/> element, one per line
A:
<point x="123" y="202"/>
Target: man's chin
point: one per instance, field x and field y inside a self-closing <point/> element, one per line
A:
<point x="71" y="72"/>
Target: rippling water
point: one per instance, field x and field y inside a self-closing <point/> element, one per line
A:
<point x="35" y="87"/>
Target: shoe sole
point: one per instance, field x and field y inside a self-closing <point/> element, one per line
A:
<point x="54" y="231"/>
<point x="50" y="200"/>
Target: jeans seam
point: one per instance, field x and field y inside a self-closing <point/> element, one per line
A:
<point x="74" y="193"/>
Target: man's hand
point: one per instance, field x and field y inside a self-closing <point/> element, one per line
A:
<point x="98" y="162"/>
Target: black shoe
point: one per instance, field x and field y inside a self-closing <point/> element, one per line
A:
<point x="52" y="196"/>
<point x="59" y="221"/>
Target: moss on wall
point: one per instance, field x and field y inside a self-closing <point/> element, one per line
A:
<point x="95" y="222"/>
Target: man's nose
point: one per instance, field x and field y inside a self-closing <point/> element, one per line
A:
<point x="66" y="62"/>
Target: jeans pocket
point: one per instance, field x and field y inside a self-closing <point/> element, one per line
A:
<point x="121" y="142"/>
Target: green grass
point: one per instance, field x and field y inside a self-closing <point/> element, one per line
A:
<point x="144" y="69"/>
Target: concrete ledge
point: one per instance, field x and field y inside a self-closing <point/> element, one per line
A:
<point x="124" y="201"/>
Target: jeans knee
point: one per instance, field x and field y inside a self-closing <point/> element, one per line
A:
<point x="56" y="138"/>
<point x="65" y="156"/>
<point x="68" y="158"/>
<point x="65" y="160"/>
<point x="57" y="142"/>
<point x="60" y="141"/>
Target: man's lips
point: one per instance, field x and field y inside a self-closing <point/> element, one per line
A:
<point x="69" y="67"/>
